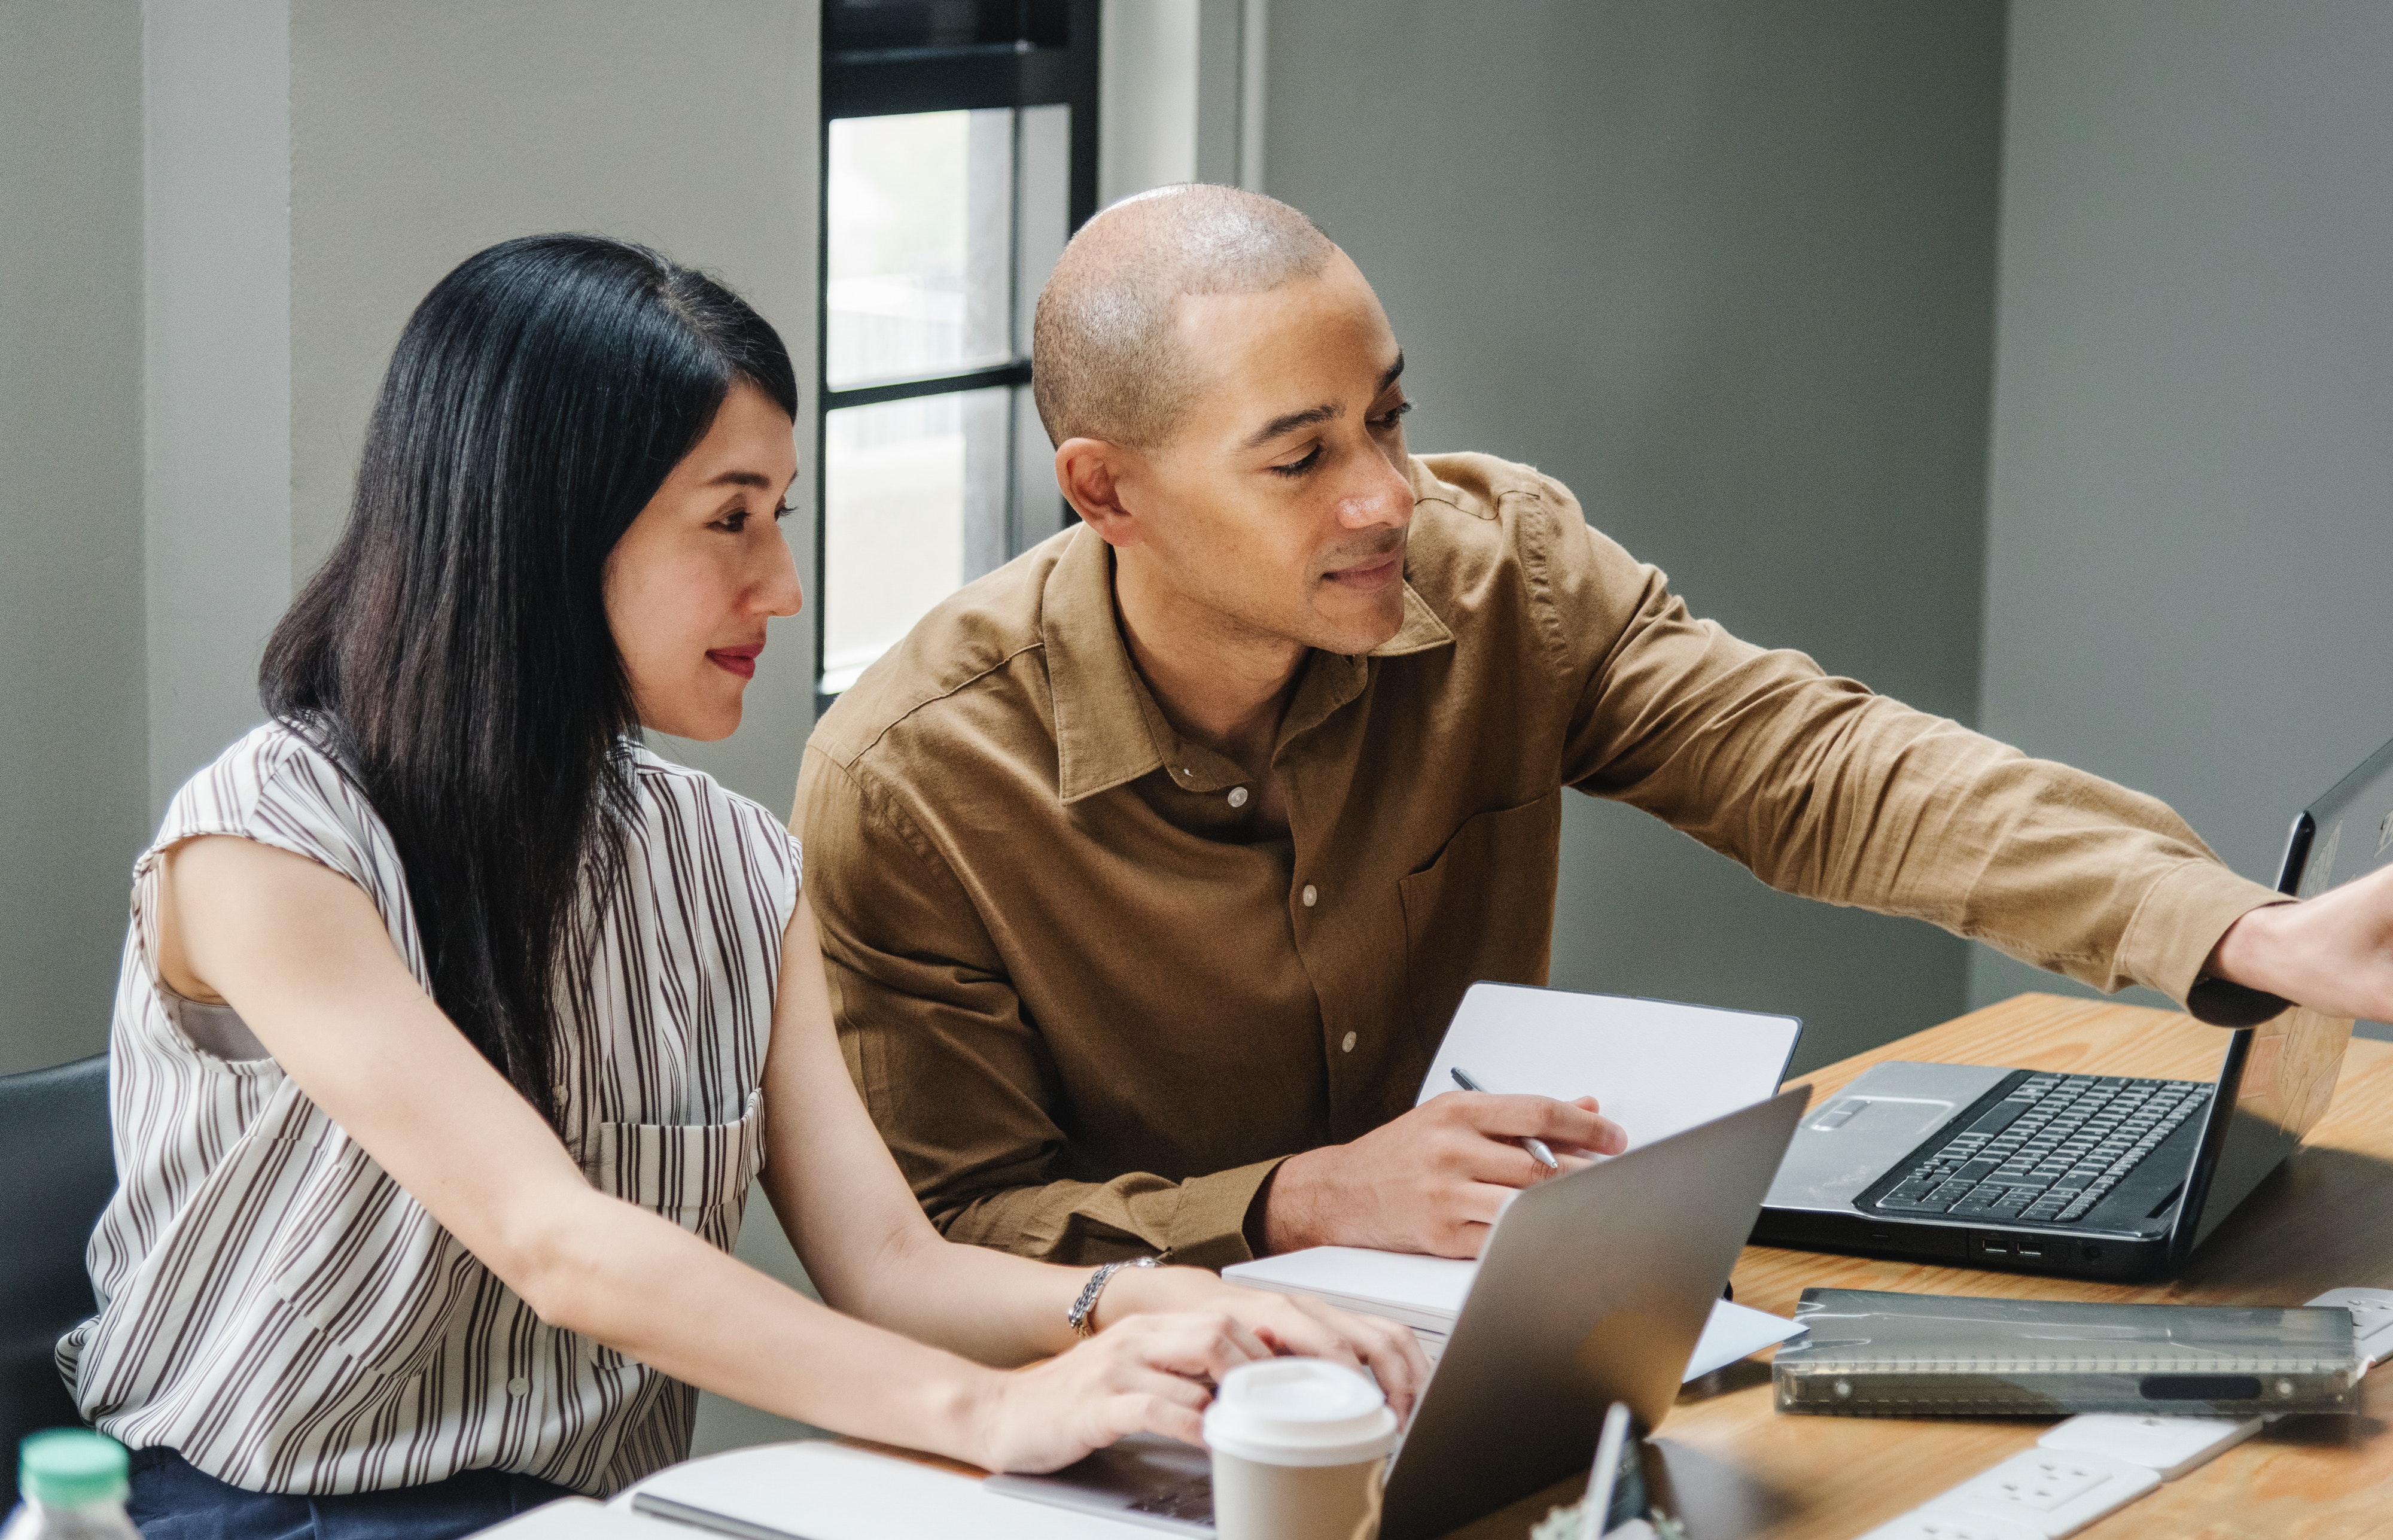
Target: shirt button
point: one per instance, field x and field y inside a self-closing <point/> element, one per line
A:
<point x="1237" y="796"/>
<point x="1349" y="1044"/>
<point x="1311" y="895"/>
<point x="519" y="1386"/>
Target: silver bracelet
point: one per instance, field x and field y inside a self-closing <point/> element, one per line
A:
<point x="1078" y="1317"/>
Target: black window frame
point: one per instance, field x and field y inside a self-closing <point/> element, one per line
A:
<point x="940" y="77"/>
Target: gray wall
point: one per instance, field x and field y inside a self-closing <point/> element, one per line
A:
<point x="2190" y="537"/>
<point x="216" y="234"/>
<point x="1727" y="270"/>
<point x="73" y="802"/>
<point x="422" y="133"/>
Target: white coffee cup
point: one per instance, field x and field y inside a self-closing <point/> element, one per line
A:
<point x="1299" y="1449"/>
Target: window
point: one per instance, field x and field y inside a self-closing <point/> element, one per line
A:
<point x="960" y="151"/>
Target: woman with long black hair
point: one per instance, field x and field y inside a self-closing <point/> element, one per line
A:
<point x="455" y="1023"/>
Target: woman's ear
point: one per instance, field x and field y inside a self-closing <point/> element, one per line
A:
<point x="1089" y="471"/>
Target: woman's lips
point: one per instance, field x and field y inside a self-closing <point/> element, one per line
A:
<point x="739" y="661"/>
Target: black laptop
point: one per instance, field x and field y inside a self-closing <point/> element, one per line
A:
<point x="2098" y="1176"/>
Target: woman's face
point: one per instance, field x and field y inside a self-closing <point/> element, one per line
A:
<point x="693" y="581"/>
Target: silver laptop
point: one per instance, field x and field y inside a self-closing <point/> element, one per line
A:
<point x="1592" y="1289"/>
<point x="2101" y="1176"/>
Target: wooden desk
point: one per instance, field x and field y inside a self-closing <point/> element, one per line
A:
<point x="2322" y="1221"/>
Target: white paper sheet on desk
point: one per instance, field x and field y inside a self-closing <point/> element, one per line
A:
<point x="820" y="1491"/>
<point x="1658" y="1068"/>
<point x="580" y="1518"/>
<point x="1427" y="1293"/>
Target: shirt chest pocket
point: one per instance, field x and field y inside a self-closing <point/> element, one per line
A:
<point x="1484" y="909"/>
<point x="695" y="1174"/>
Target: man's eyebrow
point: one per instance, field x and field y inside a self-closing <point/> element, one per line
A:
<point x="1292" y="420"/>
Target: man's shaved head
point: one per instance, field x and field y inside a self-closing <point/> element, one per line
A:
<point x="1106" y="359"/>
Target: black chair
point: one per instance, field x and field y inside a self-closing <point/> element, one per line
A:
<point x="57" y="1170"/>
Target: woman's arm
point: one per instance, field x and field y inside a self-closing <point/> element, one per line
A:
<point x="868" y="1248"/>
<point x="301" y="953"/>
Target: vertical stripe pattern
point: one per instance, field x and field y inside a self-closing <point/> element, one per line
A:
<point x="277" y="1308"/>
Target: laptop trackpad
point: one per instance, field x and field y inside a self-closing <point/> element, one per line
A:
<point x="1853" y="1138"/>
<point x="1144" y="1478"/>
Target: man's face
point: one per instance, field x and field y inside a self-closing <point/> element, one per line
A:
<point x="1282" y="500"/>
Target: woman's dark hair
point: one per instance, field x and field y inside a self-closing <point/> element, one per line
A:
<point x="453" y="653"/>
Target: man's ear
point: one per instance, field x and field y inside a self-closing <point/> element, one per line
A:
<point x="1089" y="471"/>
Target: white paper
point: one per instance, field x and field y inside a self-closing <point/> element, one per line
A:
<point x="580" y="1518"/>
<point x="1402" y="1283"/>
<point x="1657" y="1068"/>
<point x="1734" y="1331"/>
<point x="1428" y="1292"/>
<point x="823" y="1491"/>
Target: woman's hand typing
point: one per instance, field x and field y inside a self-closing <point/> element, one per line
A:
<point x="1285" y="1323"/>
<point x="1165" y="1337"/>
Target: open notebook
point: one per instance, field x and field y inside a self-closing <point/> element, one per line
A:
<point x="1426" y="1293"/>
<point x="1657" y="1067"/>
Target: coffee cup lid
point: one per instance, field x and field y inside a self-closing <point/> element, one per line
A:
<point x="1299" y="1411"/>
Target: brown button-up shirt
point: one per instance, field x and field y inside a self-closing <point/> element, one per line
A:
<point x="1091" y="1004"/>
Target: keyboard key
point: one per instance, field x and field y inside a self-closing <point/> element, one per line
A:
<point x="1995" y="1119"/>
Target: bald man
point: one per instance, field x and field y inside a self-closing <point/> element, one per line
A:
<point x="1151" y="867"/>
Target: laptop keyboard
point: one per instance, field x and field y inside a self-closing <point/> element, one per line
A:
<point x="2050" y="1151"/>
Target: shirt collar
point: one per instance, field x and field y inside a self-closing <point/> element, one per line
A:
<point x="1101" y="737"/>
<point x="1106" y="720"/>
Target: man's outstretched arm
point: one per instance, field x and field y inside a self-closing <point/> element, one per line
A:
<point x="1824" y="788"/>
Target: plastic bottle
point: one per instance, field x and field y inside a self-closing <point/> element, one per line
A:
<point x="74" y="1484"/>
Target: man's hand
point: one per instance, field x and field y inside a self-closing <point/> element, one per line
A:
<point x="2333" y="953"/>
<point x="1433" y="1180"/>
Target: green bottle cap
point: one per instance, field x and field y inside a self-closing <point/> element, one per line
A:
<point x="69" y="1466"/>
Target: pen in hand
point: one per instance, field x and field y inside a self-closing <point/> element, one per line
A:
<point x="1535" y="1147"/>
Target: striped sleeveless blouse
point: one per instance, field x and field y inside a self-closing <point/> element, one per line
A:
<point x="277" y="1310"/>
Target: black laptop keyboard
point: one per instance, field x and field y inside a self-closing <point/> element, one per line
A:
<point x="2050" y="1151"/>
